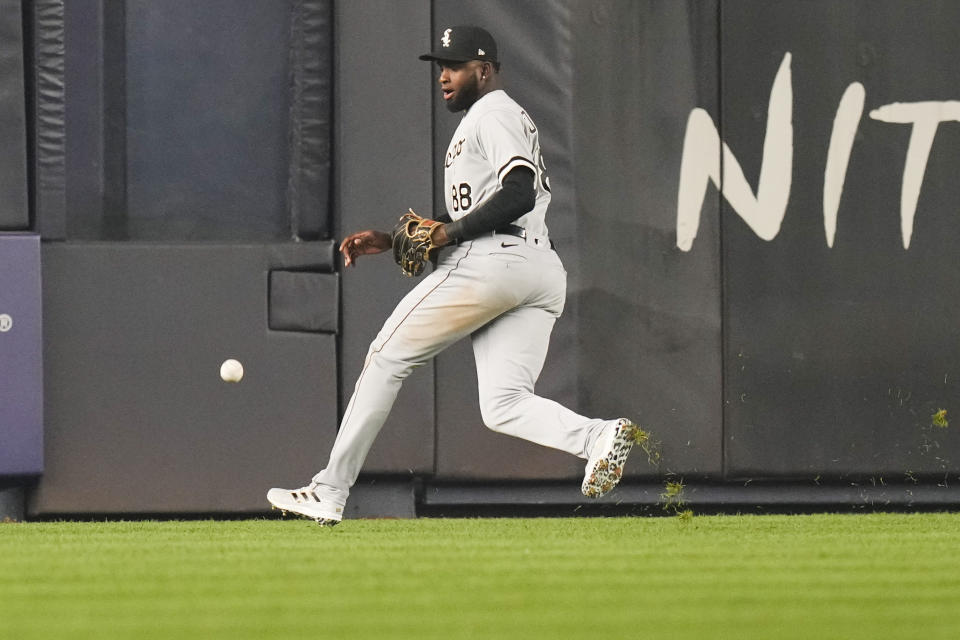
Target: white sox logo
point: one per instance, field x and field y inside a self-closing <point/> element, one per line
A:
<point x="445" y="40"/>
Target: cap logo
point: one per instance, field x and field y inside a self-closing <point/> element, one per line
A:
<point x="445" y="40"/>
<point x="481" y="52"/>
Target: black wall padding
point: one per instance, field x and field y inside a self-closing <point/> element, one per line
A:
<point x="199" y="121"/>
<point x="14" y="207"/>
<point x="311" y="66"/>
<point x="137" y="417"/>
<point x="110" y="215"/>
<point x="50" y="158"/>
<point x="838" y="358"/>
<point x="304" y="301"/>
<point x="651" y="340"/>
<point x="207" y="116"/>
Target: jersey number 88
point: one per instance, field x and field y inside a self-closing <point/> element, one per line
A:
<point x="461" y="196"/>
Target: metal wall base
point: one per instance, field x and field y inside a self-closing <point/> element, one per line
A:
<point x="381" y="498"/>
<point x="753" y="497"/>
<point x="12" y="504"/>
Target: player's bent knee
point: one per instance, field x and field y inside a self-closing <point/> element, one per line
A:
<point x="500" y="410"/>
<point x="490" y="420"/>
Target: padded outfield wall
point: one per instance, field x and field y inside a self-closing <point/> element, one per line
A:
<point x="755" y="202"/>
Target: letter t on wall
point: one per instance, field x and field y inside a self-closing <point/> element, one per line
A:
<point x="925" y="118"/>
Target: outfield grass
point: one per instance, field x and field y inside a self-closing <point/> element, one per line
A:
<point x="773" y="577"/>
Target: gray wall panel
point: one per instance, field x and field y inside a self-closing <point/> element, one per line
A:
<point x="383" y="138"/>
<point x="14" y="207"/>
<point x="650" y="347"/>
<point x="207" y="108"/>
<point x="189" y="121"/>
<point x="137" y="418"/>
<point x="83" y="73"/>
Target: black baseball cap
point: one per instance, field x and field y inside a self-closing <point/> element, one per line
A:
<point x="462" y="43"/>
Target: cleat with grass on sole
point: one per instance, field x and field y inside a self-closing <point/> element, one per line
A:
<point x="605" y="466"/>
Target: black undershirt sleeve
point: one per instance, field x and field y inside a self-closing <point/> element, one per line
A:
<point x="515" y="198"/>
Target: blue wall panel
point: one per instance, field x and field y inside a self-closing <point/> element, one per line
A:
<point x="21" y="356"/>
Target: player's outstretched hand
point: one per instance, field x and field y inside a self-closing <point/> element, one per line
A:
<point x="363" y="243"/>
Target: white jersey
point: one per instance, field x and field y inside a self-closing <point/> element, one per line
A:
<point x="495" y="136"/>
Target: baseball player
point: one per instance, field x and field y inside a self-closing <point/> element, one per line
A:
<point x="497" y="280"/>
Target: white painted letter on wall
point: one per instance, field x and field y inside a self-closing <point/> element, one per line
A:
<point x="925" y="118"/>
<point x="700" y="162"/>
<point x="845" y="125"/>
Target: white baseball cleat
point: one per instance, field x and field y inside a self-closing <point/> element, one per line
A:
<point x="307" y="502"/>
<point x="610" y="451"/>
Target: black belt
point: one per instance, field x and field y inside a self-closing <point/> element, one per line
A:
<point x="516" y="231"/>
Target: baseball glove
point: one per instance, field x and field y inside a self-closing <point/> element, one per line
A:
<point x="412" y="242"/>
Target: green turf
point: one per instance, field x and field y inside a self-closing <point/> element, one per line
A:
<point x="773" y="577"/>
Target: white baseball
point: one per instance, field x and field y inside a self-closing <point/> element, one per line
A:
<point x="231" y="370"/>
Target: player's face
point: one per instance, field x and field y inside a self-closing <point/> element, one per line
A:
<point x="459" y="83"/>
